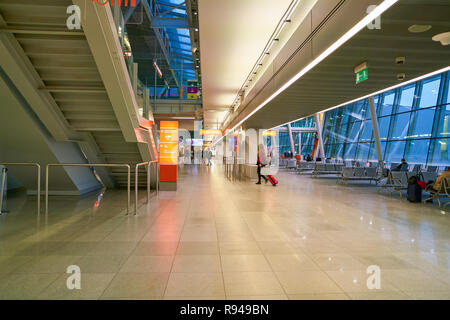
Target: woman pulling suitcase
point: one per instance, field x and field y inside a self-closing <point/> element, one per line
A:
<point x="261" y="163"/>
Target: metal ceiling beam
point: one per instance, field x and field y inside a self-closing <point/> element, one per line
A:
<point x="178" y="41"/>
<point x="297" y="129"/>
<point x="172" y="8"/>
<point x="178" y="35"/>
<point x="183" y="56"/>
<point x="170" y="5"/>
<point x="181" y="50"/>
<point x="178" y="23"/>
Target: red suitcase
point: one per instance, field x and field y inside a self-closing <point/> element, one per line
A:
<point x="272" y="180"/>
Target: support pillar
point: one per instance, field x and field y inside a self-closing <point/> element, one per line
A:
<point x="300" y="143"/>
<point x="291" y="139"/>
<point x="376" y="132"/>
<point x="319" y="135"/>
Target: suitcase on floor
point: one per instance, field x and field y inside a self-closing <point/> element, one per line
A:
<point x="272" y="180"/>
<point x="414" y="193"/>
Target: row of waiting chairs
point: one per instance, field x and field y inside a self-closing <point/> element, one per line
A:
<point x="326" y="168"/>
<point x="444" y="192"/>
<point x="359" y="174"/>
<point x="397" y="181"/>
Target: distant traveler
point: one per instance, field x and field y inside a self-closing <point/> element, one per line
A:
<point x="308" y="157"/>
<point x="261" y="162"/>
<point x="208" y="156"/>
<point x="436" y="186"/>
<point x="402" y="166"/>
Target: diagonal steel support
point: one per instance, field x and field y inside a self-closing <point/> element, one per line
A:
<point x="172" y="8"/>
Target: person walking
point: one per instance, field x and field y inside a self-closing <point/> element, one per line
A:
<point x="261" y="162"/>
<point x="208" y="157"/>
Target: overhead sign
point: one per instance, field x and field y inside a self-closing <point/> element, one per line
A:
<point x="192" y="83"/>
<point x="362" y="75"/>
<point x="362" y="72"/>
<point x="192" y="90"/>
<point x="270" y="133"/>
<point x="210" y="132"/>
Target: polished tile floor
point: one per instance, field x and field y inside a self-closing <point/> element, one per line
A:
<point x="220" y="239"/>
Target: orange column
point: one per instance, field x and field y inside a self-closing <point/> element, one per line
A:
<point x="168" y="153"/>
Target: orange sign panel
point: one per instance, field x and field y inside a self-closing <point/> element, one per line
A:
<point x="210" y="132"/>
<point x="168" y="145"/>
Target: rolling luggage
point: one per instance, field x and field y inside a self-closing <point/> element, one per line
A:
<point x="272" y="180"/>
<point x="414" y="192"/>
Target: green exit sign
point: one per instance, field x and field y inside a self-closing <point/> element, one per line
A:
<point x="192" y="83"/>
<point x="362" y="75"/>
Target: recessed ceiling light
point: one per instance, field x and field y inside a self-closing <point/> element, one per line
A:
<point x="418" y="28"/>
<point x="443" y="38"/>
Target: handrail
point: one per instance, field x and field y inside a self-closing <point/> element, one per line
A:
<point x="136" y="182"/>
<point x="86" y="165"/>
<point x="38" y="166"/>
<point x="2" y="189"/>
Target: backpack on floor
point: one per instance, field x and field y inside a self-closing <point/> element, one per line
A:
<point x="414" y="191"/>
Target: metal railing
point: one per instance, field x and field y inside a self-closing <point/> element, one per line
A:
<point x="136" y="186"/>
<point x="86" y="165"/>
<point x="37" y="165"/>
<point x="2" y="190"/>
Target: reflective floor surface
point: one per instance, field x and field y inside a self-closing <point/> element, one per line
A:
<point x="220" y="239"/>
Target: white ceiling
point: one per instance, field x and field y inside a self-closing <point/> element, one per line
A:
<point x="233" y="34"/>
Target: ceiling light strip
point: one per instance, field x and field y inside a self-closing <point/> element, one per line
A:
<point x="385" y="5"/>
<point x="428" y="75"/>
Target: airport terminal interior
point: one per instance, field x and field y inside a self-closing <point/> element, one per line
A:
<point x="225" y="149"/>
